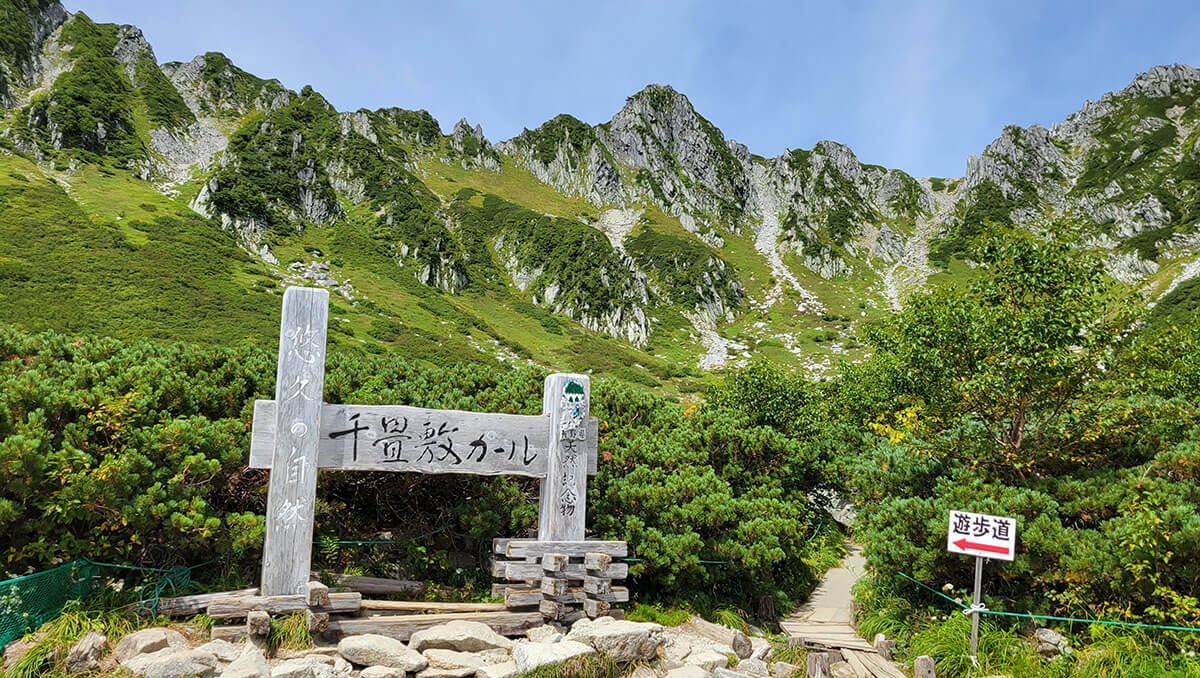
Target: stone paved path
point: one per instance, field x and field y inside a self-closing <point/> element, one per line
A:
<point x="826" y="620"/>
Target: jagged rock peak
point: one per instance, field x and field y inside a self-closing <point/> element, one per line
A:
<point x="1157" y="81"/>
<point x="462" y="128"/>
<point x="476" y="150"/>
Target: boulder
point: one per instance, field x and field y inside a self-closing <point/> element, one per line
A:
<point x="380" y="672"/>
<point x="303" y="667"/>
<point x="643" y="671"/>
<point x="463" y="636"/>
<point x="147" y="641"/>
<point x="753" y="667"/>
<point x="729" y="673"/>
<point x="506" y="669"/>
<point x="451" y="664"/>
<point x="85" y="654"/>
<point x="249" y="664"/>
<point x="529" y="656"/>
<point x="544" y="634"/>
<point x="221" y="649"/>
<point x="708" y="659"/>
<point x="624" y="641"/>
<point x="375" y="650"/>
<point x="689" y="671"/>
<point x="783" y="670"/>
<point x="171" y="663"/>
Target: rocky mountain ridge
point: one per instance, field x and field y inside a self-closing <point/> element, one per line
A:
<point x="684" y="223"/>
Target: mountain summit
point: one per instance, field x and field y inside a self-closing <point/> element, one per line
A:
<point x="650" y="237"/>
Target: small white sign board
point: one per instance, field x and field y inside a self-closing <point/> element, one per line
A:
<point x="978" y="534"/>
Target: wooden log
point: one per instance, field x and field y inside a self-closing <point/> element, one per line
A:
<point x="402" y="627"/>
<point x="554" y="587"/>
<point x="597" y="585"/>
<point x="233" y="634"/>
<point x="258" y="623"/>
<point x="594" y="608"/>
<point x="533" y="597"/>
<point x="518" y="571"/>
<point x="881" y="667"/>
<point x="186" y="606"/>
<point x="340" y="603"/>
<point x="817" y="665"/>
<point x="423" y="606"/>
<point x="318" y="594"/>
<point x="924" y="667"/>
<point x="723" y="635"/>
<point x="524" y="548"/>
<point x="376" y="585"/>
<point x="597" y="562"/>
<point x="318" y="622"/>
<point x="555" y="562"/>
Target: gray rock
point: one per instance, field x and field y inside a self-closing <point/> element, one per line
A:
<point x="728" y="673"/>
<point x="171" y="663"/>
<point x="624" y="641"/>
<point x="708" y="659"/>
<point x="303" y="667"/>
<point x="643" y="671"/>
<point x="380" y="672"/>
<point x="375" y="650"/>
<point x="147" y="641"/>
<point x="529" y="656"/>
<point x="85" y="653"/>
<point x="544" y="634"/>
<point x="753" y="667"/>
<point x="249" y="664"/>
<point x="1049" y="636"/>
<point x="342" y="667"/>
<point x="689" y="671"/>
<point x="463" y="636"/>
<point x="506" y="669"/>
<point x="783" y="670"/>
<point x="461" y="672"/>
<point x="1047" y="650"/>
<point x="221" y="649"/>
<point x="759" y="647"/>
<point x="450" y="659"/>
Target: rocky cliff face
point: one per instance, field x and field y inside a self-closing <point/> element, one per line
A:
<point x="1122" y="174"/>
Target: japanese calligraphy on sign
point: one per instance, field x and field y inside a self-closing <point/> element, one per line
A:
<point x="418" y="440"/>
<point x="978" y="534"/>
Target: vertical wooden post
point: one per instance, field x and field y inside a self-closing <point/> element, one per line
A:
<point x="299" y="384"/>
<point x="563" y="505"/>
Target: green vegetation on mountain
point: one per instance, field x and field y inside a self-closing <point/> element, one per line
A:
<point x="688" y="273"/>
<point x="561" y="129"/>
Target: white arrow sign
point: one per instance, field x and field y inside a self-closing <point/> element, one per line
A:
<point x="978" y="534"/>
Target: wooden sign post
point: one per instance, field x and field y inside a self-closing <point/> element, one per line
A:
<point x="295" y="434"/>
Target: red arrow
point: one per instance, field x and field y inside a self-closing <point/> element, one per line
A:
<point x="970" y="545"/>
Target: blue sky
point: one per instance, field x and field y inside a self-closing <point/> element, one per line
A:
<point x="916" y="86"/>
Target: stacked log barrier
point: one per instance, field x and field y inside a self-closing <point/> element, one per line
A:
<point x="563" y="580"/>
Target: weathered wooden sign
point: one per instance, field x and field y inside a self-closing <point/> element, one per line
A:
<point x="296" y="434"/>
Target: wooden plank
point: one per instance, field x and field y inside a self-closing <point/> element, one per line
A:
<point x="532" y="597"/>
<point x="517" y="571"/>
<point x="554" y="587"/>
<point x="258" y="623"/>
<point x="597" y="563"/>
<point x="402" y="627"/>
<point x="724" y="635"/>
<point x="291" y="494"/>
<point x="563" y="497"/>
<point x="376" y="585"/>
<point x="365" y="439"/>
<point x="856" y="665"/>
<point x="880" y="666"/>
<point x="423" y="606"/>
<point x="339" y="603"/>
<point x="531" y="548"/>
<point x="234" y="634"/>
<point x="186" y="606"/>
<point x="318" y="622"/>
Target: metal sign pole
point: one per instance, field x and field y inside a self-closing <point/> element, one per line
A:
<point x="977" y="608"/>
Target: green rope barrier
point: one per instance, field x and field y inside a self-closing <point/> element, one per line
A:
<point x="1072" y="620"/>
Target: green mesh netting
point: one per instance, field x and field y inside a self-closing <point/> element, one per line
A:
<point x="28" y="602"/>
